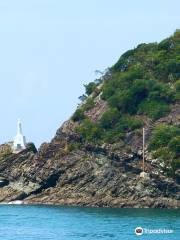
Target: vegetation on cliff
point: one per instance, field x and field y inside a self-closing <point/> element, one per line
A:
<point x="143" y="84"/>
<point x="165" y="142"/>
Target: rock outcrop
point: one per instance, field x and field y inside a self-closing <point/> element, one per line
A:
<point x="95" y="158"/>
<point x="68" y="171"/>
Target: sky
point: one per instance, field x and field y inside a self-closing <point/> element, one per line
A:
<point x="50" y="48"/>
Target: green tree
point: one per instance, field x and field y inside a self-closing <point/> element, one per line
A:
<point x="90" y="88"/>
<point x="90" y="131"/>
<point x="110" y="118"/>
<point x="162" y="135"/>
<point x="154" y="109"/>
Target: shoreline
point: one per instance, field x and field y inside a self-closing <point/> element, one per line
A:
<point x="18" y="203"/>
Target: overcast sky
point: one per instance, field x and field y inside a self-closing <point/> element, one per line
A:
<point x="50" y="48"/>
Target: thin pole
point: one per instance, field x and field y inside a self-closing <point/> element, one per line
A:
<point x="143" y="149"/>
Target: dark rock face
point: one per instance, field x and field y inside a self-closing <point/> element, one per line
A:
<point x="85" y="176"/>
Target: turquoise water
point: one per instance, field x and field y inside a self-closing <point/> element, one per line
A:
<point x="44" y="222"/>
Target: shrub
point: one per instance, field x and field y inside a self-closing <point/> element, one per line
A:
<point x="161" y="92"/>
<point x="162" y="135"/>
<point x="82" y="98"/>
<point x="78" y="115"/>
<point x="123" y="101"/>
<point x="112" y="136"/>
<point x="109" y="118"/>
<point x="108" y="91"/>
<point x="174" y="145"/>
<point x="154" y="109"/>
<point x="73" y="146"/>
<point x="165" y="44"/>
<point x="90" y="88"/>
<point x="89" y="104"/>
<point x="31" y="147"/>
<point x="177" y="88"/>
<point x="114" y="131"/>
<point x="165" y="141"/>
<point x="177" y="85"/>
<point x="128" y="100"/>
<point x="90" y="131"/>
<point x="134" y="123"/>
<point x="124" y="61"/>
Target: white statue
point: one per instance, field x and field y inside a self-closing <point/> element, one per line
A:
<point x="19" y="141"/>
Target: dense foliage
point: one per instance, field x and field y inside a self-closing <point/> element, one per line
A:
<point x="145" y="81"/>
<point x="165" y="142"/>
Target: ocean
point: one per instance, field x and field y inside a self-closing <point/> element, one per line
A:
<point x="23" y="222"/>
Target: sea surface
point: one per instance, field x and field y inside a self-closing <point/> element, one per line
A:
<point x="49" y="222"/>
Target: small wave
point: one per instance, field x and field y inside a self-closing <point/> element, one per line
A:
<point x="17" y="202"/>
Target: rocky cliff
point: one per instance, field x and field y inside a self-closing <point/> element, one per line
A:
<point x="94" y="170"/>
